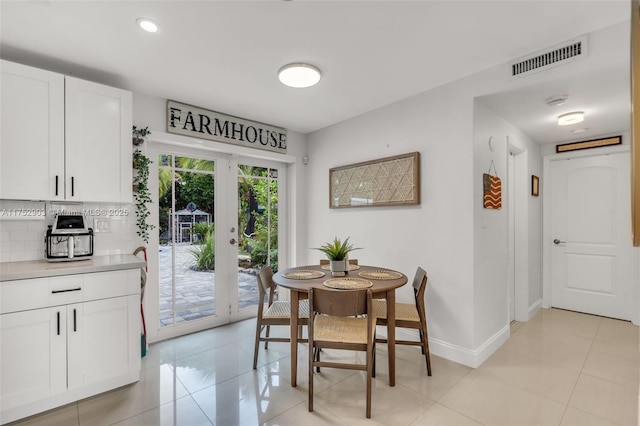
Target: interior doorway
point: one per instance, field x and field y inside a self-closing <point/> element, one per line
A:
<point x="518" y="233"/>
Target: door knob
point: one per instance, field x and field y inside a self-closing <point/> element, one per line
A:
<point x="557" y="241"/>
<point x="232" y="241"/>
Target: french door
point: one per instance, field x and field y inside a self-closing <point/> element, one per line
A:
<point x="217" y="227"/>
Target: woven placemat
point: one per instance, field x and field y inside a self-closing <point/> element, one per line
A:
<point x="303" y="274"/>
<point x="347" y="283"/>
<point x="380" y="274"/>
<point x="351" y="267"/>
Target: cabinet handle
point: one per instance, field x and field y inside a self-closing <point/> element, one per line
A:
<point x="75" y="328"/>
<point x="72" y="186"/>
<point x="56" y="185"/>
<point x="66" y="291"/>
<point x="58" y="315"/>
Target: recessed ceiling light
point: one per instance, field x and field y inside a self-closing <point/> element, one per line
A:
<point x="299" y="75"/>
<point x="148" y="25"/>
<point x="570" y="118"/>
<point x="556" y="100"/>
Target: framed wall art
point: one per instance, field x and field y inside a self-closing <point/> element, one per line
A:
<point x="594" y="143"/>
<point x="389" y="181"/>
<point x="535" y="185"/>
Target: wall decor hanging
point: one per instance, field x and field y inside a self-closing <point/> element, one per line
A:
<point x="390" y="181"/>
<point x="492" y="188"/>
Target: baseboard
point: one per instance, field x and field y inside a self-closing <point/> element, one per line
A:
<point x="469" y="357"/>
<point x="534" y="309"/>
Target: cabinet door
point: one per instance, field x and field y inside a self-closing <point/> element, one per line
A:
<point x="104" y="339"/>
<point x="33" y="356"/>
<point x="97" y="142"/>
<point x="32" y="135"/>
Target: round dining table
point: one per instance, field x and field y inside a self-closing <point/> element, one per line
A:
<point x="384" y="284"/>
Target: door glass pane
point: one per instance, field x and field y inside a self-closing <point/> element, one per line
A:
<point x="257" y="228"/>
<point x="186" y="251"/>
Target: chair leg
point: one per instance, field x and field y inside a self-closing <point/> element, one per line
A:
<point x="373" y="372"/>
<point x="311" y="358"/>
<point x="425" y="347"/>
<point x="266" y="343"/>
<point x="257" y="344"/>
<point x="370" y="357"/>
<point x="317" y="358"/>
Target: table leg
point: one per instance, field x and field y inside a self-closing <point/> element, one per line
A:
<point x="294" y="337"/>
<point x="391" y="335"/>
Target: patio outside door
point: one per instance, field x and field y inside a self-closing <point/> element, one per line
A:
<point x="218" y="226"/>
<point x="253" y="241"/>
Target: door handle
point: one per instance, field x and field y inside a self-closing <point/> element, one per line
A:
<point x="232" y="241"/>
<point x="557" y="241"/>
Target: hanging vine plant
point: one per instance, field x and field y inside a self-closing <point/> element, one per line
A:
<point x="141" y="194"/>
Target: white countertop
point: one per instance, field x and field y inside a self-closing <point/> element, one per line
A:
<point x="10" y="271"/>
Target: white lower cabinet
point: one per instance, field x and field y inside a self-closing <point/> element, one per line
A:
<point x="55" y="355"/>
<point x="100" y="344"/>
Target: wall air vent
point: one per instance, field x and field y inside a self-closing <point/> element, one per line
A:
<point x="549" y="58"/>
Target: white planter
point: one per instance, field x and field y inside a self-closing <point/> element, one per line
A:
<point x="338" y="265"/>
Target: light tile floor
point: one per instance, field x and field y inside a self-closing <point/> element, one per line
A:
<point x="560" y="368"/>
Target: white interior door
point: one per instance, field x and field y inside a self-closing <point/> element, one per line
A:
<point x="590" y="251"/>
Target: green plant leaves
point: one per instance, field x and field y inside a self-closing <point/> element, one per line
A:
<point x="337" y="250"/>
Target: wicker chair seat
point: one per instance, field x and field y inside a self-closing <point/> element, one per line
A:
<point x="404" y="311"/>
<point x="282" y="309"/>
<point x="340" y="329"/>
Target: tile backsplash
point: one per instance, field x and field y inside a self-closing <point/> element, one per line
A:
<point x="23" y="225"/>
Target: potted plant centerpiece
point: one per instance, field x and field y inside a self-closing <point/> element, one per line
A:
<point x="338" y="254"/>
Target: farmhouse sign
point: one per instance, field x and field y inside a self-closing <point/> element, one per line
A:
<point x="188" y="120"/>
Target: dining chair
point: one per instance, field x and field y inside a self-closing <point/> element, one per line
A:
<point x="409" y="316"/>
<point x="336" y="322"/>
<point x="276" y="312"/>
<point x="326" y="261"/>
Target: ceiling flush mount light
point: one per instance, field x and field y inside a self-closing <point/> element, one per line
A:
<point x="148" y="25"/>
<point x="570" y="118"/>
<point x="299" y="75"/>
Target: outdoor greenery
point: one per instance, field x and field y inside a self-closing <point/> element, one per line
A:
<point x="141" y="194"/>
<point x="205" y="252"/>
<point x="262" y="246"/>
<point x="192" y="182"/>
<point x="337" y="250"/>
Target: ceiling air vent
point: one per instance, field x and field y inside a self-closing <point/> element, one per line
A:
<point x="548" y="58"/>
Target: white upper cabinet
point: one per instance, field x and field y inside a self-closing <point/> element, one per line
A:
<point x="98" y="142"/>
<point x="32" y="135"/>
<point x="63" y="138"/>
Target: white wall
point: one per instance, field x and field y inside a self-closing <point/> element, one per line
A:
<point x="437" y="234"/>
<point x="466" y="295"/>
<point x="491" y="226"/>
